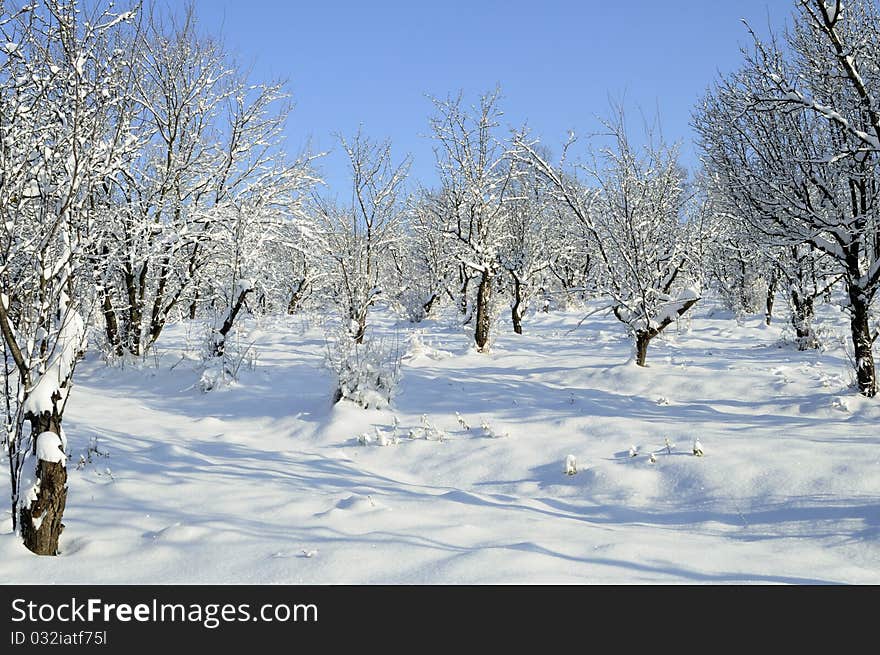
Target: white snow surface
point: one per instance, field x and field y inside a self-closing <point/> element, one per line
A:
<point x="50" y="448"/>
<point x="264" y="482"/>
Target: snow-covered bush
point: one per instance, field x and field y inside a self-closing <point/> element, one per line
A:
<point x="219" y="371"/>
<point x="366" y="373"/>
<point x="490" y="432"/>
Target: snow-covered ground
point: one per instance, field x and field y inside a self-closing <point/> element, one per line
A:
<point x="265" y="482"/>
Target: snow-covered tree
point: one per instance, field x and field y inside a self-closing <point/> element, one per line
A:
<point x="471" y="205"/>
<point x="209" y="145"/>
<point x="792" y="142"/>
<point x="353" y="242"/>
<point x="527" y="253"/>
<point x="423" y="264"/>
<point x="61" y="145"/>
<point x="641" y="221"/>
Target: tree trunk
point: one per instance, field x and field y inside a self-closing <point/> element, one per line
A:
<point x="297" y="294"/>
<point x="771" y="297"/>
<point x="861" y="338"/>
<point x="111" y="325"/>
<point x="223" y="332"/>
<point x="135" y="315"/>
<point x="193" y="306"/>
<point x="463" y="295"/>
<point x="428" y="306"/>
<point x="642" y="341"/>
<point x="40" y="521"/>
<point x="802" y="320"/>
<point x="644" y="336"/>
<point x="360" y="321"/>
<point x="484" y="318"/>
<point x="515" y="314"/>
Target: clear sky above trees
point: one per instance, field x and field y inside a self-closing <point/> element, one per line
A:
<point x="557" y="62"/>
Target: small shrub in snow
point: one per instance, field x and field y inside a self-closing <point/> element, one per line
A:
<point x="367" y="374"/>
<point x="221" y="370"/>
<point x="431" y="432"/>
<point x="652" y="458"/>
<point x="570" y="465"/>
<point x="428" y="431"/>
<point x="92" y="452"/>
<point x="698" y="448"/>
<point x="491" y="432"/>
<point x="385" y="439"/>
<point x="419" y="347"/>
<point x="463" y="423"/>
<point x="633" y="451"/>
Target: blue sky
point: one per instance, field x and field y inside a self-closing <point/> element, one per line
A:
<point x="557" y="63"/>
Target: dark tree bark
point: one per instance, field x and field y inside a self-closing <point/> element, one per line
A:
<point x="861" y="338"/>
<point x="463" y="292"/>
<point x="135" y="314"/>
<point x="484" y="318"/>
<point x="111" y="325"/>
<point x="802" y="313"/>
<point x="771" y="298"/>
<point x="642" y="341"/>
<point x="296" y="296"/>
<point x="515" y="310"/>
<point x="223" y="332"/>
<point x="40" y="521"/>
<point x="643" y="337"/>
<point x="193" y="306"/>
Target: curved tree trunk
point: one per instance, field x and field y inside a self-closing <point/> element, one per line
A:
<point x="429" y="305"/>
<point x="643" y="337"/>
<point x="515" y="310"/>
<point x="297" y="294"/>
<point x="223" y="332"/>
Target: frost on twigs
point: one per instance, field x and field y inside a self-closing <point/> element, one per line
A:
<point x="92" y="452"/>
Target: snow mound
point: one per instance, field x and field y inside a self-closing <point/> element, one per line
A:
<point x="50" y="448"/>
